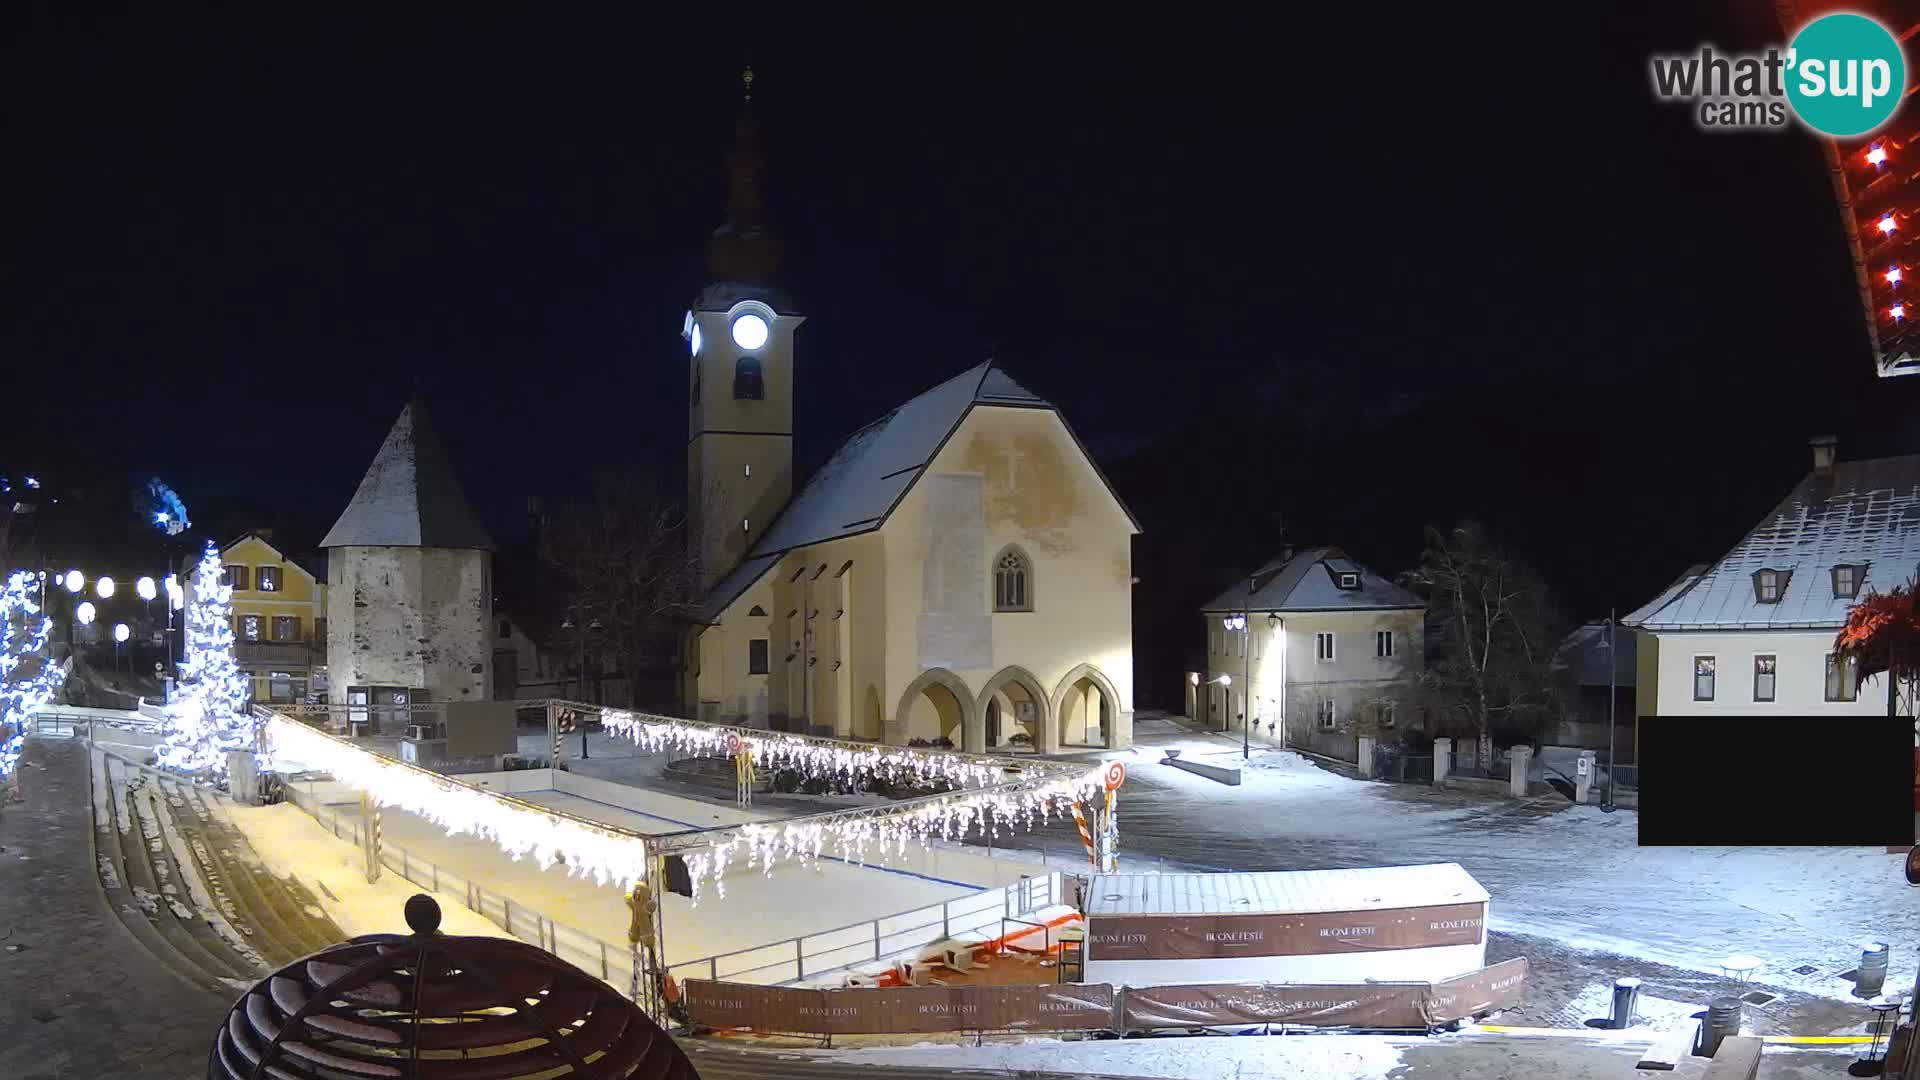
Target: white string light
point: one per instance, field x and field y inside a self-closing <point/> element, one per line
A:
<point x="28" y="676"/>
<point x="608" y="856"/>
<point x="209" y="717"/>
<point x="992" y="804"/>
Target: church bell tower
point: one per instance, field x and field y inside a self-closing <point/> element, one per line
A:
<point x="740" y="378"/>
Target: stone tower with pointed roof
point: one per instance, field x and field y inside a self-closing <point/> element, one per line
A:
<point x="740" y="379"/>
<point x="410" y="579"/>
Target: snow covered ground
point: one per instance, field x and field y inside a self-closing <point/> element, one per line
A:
<point x="1322" y="1057"/>
<point x="290" y="844"/>
<point x="1569" y="874"/>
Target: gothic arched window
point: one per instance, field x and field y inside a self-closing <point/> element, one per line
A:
<point x="747" y="383"/>
<point x="1012" y="581"/>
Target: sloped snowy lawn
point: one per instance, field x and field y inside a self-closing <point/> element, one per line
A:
<point x="1201" y="1057"/>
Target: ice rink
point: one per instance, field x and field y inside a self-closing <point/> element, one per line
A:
<point x="757" y="908"/>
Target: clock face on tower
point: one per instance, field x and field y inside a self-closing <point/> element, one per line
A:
<point x="693" y="338"/>
<point x="750" y="331"/>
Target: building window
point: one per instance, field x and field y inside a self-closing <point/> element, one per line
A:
<point x="757" y="610"/>
<point x="757" y="656"/>
<point x="1769" y="585"/>
<point x="1843" y="678"/>
<point x="286" y="628"/>
<point x="1325" y="714"/>
<point x="267" y="579"/>
<point x="280" y="687"/>
<point x="1763" y="677"/>
<point x="1323" y="646"/>
<point x="1703" y="667"/>
<point x="693" y="397"/>
<point x="320" y="631"/>
<point x="250" y="627"/>
<point x="235" y="575"/>
<point x="1349" y="581"/>
<point x="1383" y="715"/>
<point x="1846" y="582"/>
<point x="506" y="629"/>
<point x="1012" y="582"/>
<point x="1383" y="644"/>
<point x="748" y="385"/>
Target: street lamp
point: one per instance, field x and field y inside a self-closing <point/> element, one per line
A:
<point x="104" y="587"/>
<point x="1613" y="668"/>
<point x="84" y="612"/>
<point x="74" y="580"/>
<point x="581" y="637"/>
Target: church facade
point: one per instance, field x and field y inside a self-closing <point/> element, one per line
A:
<point x="958" y="570"/>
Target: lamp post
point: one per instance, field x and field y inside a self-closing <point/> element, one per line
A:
<point x="1246" y="670"/>
<point x="581" y="685"/>
<point x="1613" y="668"/>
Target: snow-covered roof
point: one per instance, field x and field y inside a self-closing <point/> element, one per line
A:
<point x="1680" y="584"/>
<point x="866" y="478"/>
<point x="1283" y="891"/>
<point x="1309" y="581"/>
<point x="1859" y="513"/>
<point x="409" y="497"/>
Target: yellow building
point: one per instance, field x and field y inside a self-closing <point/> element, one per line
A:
<point x="279" y="619"/>
<point x="958" y="570"/>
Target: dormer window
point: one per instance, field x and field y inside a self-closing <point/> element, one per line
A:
<point x="1846" y="581"/>
<point x="1349" y="581"/>
<point x="1770" y="585"/>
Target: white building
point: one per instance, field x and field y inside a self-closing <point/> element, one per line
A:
<point x="1753" y="633"/>
<point x="1321" y="645"/>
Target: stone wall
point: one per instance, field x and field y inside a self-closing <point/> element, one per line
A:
<point x="413" y="617"/>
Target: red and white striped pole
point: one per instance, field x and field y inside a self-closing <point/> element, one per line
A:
<point x="1086" y="836"/>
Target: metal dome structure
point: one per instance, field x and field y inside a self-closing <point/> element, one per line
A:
<point x="420" y="1005"/>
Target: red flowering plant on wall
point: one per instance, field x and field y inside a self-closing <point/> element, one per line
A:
<point x="1882" y="633"/>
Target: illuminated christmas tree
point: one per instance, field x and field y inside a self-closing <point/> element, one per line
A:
<point x="28" y="676"/>
<point x="209" y="718"/>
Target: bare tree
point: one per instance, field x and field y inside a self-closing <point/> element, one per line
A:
<point x="622" y="560"/>
<point x="1493" y="635"/>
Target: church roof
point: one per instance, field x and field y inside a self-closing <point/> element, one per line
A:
<point x="409" y="497"/>
<point x="856" y="490"/>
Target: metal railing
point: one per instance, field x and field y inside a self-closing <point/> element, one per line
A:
<point x="786" y="960"/>
<point x="73" y="722"/>
<point x="823" y="952"/>
<point x="611" y="961"/>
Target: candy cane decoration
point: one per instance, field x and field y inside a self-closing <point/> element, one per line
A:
<point x="1086" y="836"/>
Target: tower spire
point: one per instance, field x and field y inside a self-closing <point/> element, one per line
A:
<point x="743" y="249"/>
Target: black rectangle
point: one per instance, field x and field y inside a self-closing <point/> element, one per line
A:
<point x="1776" y="781"/>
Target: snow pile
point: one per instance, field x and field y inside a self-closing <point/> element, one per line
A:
<point x="1323" y="1057"/>
<point x="292" y="844"/>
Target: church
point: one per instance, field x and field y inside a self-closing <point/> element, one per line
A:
<point x="958" y="572"/>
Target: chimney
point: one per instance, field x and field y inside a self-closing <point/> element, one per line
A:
<point x="1824" y="448"/>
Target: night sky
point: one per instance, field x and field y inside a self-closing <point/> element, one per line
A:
<point x="230" y="246"/>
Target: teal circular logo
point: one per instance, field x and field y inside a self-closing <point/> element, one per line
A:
<point x="1845" y="75"/>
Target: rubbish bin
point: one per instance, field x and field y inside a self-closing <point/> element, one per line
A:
<point x="1723" y="1020"/>
<point x="1873" y="969"/>
<point x="1626" y="999"/>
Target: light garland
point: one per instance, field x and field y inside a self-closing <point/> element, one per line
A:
<point x="987" y="803"/>
<point x="611" y="856"/>
<point x="210" y="717"/>
<point x="857" y="836"/>
<point x="849" y="763"/>
<point x="606" y="855"/>
<point x="28" y="676"/>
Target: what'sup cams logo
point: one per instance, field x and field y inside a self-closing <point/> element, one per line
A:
<point x="1842" y="75"/>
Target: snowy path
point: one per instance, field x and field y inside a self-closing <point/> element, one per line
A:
<point x="1575" y="876"/>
